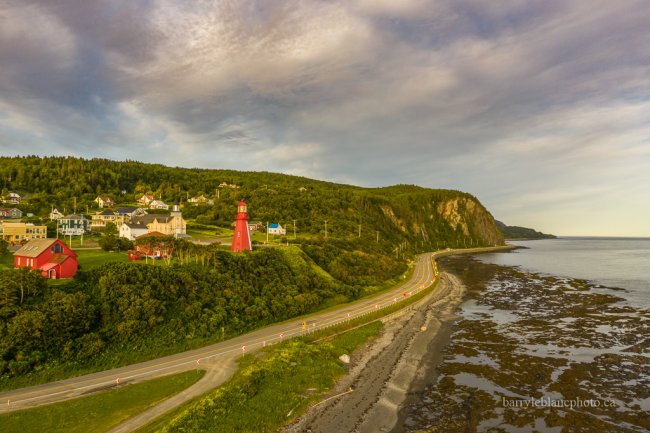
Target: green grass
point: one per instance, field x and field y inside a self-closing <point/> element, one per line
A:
<point x="280" y="380"/>
<point x="204" y="231"/>
<point x="6" y="261"/>
<point x="99" y="412"/>
<point x="88" y="241"/>
<point x="89" y="259"/>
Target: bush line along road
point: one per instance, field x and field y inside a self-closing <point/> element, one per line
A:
<point x="423" y="276"/>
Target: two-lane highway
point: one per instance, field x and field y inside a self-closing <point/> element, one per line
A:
<point x="423" y="276"/>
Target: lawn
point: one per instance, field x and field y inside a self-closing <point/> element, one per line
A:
<point x="88" y="241"/>
<point x="6" y="261"/>
<point x="89" y="259"/>
<point x="208" y="232"/>
<point x="99" y="412"/>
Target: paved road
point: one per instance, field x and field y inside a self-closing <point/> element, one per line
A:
<point x="423" y="276"/>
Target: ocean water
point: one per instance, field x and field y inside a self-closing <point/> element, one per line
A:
<point x="612" y="262"/>
<point x="541" y="333"/>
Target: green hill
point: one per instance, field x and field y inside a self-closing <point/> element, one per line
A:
<point x="402" y="217"/>
<point x="516" y="232"/>
<point x="119" y="313"/>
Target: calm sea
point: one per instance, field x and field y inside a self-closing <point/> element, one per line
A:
<point x="612" y="262"/>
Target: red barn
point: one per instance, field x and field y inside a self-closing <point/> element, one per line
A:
<point x="51" y="256"/>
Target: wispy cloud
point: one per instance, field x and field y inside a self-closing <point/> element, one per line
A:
<point x="538" y="108"/>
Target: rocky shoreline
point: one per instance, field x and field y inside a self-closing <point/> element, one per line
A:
<point x="529" y="345"/>
<point x="518" y="337"/>
<point x="381" y="374"/>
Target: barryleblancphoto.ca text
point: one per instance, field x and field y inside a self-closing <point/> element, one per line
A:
<point x="559" y="403"/>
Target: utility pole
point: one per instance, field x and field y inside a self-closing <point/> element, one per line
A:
<point x="294" y="229"/>
<point x="267" y="232"/>
<point x="377" y="236"/>
<point x="325" y="229"/>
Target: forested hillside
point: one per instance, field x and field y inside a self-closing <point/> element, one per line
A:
<point x="124" y="312"/>
<point x="406" y="218"/>
<point x="517" y="232"/>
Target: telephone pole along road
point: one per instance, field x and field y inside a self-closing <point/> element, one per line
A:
<point x="423" y="276"/>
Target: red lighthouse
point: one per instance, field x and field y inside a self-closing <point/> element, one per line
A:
<point x="241" y="241"/>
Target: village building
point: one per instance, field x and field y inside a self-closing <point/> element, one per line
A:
<point x="277" y="229"/>
<point x="100" y="219"/>
<point x="129" y="212"/>
<point x="73" y="225"/>
<point x="200" y="200"/>
<point x="56" y="214"/>
<point x="146" y="199"/>
<point x="169" y="225"/>
<point x="12" y="198"/>
<point x="131" y="231"/>
<point x="15" y="232"/>
<point x="12" y="213"/>
<point x="228" y="185"/>
<point x="103" y="201"/>
<point x="53" y="258"/>
<point x="158" y="204"/>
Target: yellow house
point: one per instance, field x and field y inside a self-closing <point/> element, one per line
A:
<point x="100" y="219"/>
<point x="169" y="225"/>
<point x="17" y="232"/>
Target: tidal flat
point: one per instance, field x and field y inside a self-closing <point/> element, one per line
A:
<point x="525" y="347"/>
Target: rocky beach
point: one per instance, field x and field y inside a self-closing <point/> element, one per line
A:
<point x="522" y="352"/>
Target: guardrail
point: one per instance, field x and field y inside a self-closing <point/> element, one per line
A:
<point x="254" y="344"/>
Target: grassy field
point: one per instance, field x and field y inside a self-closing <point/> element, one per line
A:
<point x="270" y="388"/>
<point x="88" y="241"/>
<point x="99" y="412"/>
<point x="208" y="232"/>
<point x="89" y="259"/>
<point x="6" y="261"/>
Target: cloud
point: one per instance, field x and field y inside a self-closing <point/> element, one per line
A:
<point x="538" y="108"/>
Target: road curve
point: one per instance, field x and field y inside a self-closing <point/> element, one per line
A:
<point x="423" y="276"/>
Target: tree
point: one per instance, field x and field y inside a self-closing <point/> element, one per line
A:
<point x="111" y="229"/>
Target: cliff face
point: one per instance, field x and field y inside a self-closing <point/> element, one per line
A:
<point x="440" y="218"/>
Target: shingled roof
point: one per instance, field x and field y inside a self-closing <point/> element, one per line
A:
<point x="35" y="247"/>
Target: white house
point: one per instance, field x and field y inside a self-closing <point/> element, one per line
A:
<point x="201" y="200"/>
<point x="132" y="231"/>
<point x="158" y="204"/>
<point x="12" y="198"/>
<point x="146" y="199"/>
<point x="277" y="229"/>
<point x="103" y="201"/>
<point x="56" y="214"/>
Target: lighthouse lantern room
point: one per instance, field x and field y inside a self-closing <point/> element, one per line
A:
<point x="241" y="240"/>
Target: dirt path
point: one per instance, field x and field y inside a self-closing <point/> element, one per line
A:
<point x="218" y="372"/>
<point x="380" y="376"/>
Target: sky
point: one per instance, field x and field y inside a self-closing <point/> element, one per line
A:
<point x="540" y="109"/>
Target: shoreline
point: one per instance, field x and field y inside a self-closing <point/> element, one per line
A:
<point x="514" y="341"/>
<point x="381" y="375"/>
